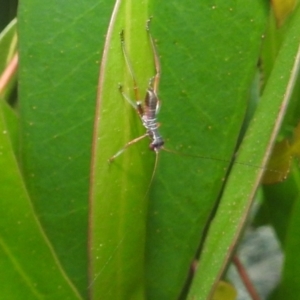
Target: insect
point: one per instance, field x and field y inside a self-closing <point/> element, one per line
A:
<point x="149" y="109"/>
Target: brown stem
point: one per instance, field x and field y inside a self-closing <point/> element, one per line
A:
<point x="245" y="278"/>
<point x="8" y="73"/>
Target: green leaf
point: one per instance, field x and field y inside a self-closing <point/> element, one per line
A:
<point x="279" y="200"/>
<point x="289" y="285"/>
<point x="29" y="267"/>
<point x="60" y="49"/>
<point x="234" y="206"/>
<point x="119" y="189"/>
<point x="225" y="291"/>
<point x="208" y="55"/>
<point x="12" y="125"/>
<point x="282" y="8"/>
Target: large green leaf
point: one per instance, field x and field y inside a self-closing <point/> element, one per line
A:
<point x="208" y="54"/>
<point x="22" y="239"/>
<point x="235" y="203"/>
<point x="119" y="189"/>
<point x="126" y="180"/>
<point x="29" y="267"/>
<point x="60" y="49"/>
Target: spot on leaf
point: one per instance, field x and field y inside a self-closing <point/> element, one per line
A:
<point x="279" y="164"/>
<point x="280" y="161"/>
<point x="224" y="291"/>
<point x="282" y="8"/>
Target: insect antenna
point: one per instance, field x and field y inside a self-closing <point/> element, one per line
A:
<point x="232" y="161"/>
<point x="153" y="173"/>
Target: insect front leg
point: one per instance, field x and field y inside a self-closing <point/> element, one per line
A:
<point x="126" y="146"/>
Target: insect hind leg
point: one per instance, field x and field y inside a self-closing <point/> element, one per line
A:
<point x="130" y="68"/>
<point x="155" y="80"/>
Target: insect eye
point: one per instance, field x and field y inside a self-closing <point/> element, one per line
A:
<point x="156" y="145"/>
<point x="152" y="147"/>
